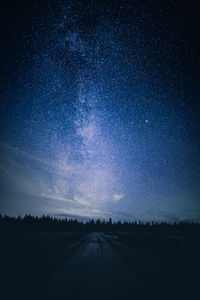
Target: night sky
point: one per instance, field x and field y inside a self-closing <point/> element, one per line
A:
<point x="99" y="111"/>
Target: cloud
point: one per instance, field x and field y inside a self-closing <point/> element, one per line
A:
<point x="81" y="187"/>
<point x="117" y="197"/>
<point x="81" y="200"/>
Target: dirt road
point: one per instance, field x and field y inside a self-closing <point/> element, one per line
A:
<point x="94" y="271"/>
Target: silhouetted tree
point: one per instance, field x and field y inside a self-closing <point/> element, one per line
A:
<point x="52" y="224"/>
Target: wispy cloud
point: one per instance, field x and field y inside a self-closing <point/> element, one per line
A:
<point x="80" y="186"/>
<point x="117" y="197"/>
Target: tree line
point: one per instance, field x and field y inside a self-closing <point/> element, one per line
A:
<point x="48" y="223"/>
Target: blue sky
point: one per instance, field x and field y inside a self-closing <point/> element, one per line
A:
<point x="99" y="114"/>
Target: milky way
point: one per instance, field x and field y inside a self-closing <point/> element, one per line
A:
<point x="99" y="110"/>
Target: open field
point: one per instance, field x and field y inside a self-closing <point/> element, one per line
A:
<point x="167" y="263"/>
<point x="109" y="265"/>
<point x="27" y="259"/>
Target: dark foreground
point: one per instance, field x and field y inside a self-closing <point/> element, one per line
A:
<point x="137" y="265"/>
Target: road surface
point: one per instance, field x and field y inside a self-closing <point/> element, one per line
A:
<point x="94" y="271"/>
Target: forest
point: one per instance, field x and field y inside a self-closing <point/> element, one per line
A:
<point x="53" y="224"/>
